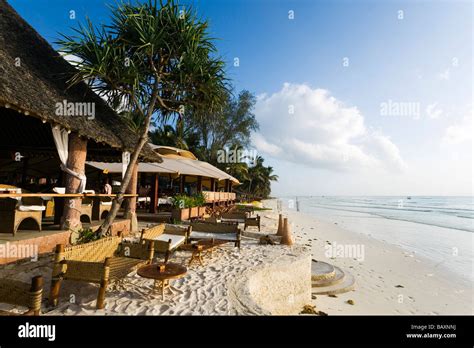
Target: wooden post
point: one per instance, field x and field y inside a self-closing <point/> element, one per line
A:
<point x="199" y="184"/>
<point x="212" y="184"/>
<point x="103" y="285"/>
<point x="212" y="190"/>
<point x="36" y="285"/>
<point x="56" y="275"/>
<point x="181" y="184"/>
<point x="24" y="172"/>
<point x="71" y="219"/>
<point x="227" y="185"/>
<point x="154" y="194"/>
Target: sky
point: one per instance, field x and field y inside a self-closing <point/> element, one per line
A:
<point x="353" y="97"/>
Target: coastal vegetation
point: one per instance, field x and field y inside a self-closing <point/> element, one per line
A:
<point x="153" y="60"/>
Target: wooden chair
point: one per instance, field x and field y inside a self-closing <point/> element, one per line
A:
<point x="19" y="293"/>
<point x="234" y="216"/>
<point x="102" y="262"/>
<point x="221" y="231"/>
<point x="166" y="237"/>
<point x="252" y="221"/>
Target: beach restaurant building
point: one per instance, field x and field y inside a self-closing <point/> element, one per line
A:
<point x="52" y="136"/>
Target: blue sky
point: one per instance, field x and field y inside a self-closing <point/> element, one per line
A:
<point x="337" y="134"/>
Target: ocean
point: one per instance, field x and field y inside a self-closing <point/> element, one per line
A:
<point x="437" y="228"/>
<point x="450" y="212"/>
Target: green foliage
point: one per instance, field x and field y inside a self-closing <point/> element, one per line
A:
<point x="87" y="235"/>
<point x="151" y="60"/>
<point x="183" y="201"/>
<point x="260" y="177"/>
<point x="199" y="200"/>
<point x="156" y="55"/>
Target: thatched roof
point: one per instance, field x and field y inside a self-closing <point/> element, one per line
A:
<point x="33" y="78"/>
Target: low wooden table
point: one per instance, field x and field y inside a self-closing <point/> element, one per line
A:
<point x="163" y="276"/>
<point x="201" y="246"/>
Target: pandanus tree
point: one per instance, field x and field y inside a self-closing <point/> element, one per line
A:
<point x="153" y="59"/>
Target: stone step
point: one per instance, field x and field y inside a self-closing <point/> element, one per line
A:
<point x="346" y="285"/>
<point x="321" y="270"/>
<point x="337" y="278"/>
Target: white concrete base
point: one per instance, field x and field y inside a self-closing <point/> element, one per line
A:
<point x="282" y="287"/>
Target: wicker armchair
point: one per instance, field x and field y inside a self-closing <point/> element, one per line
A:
<point x="166" y="237"/>
<point x="86" y="204"/>
<point x="101" y="208"/>
<point x="18" y="293"/>
<point x="13" y="212"/>
<point x="102" y="262"/>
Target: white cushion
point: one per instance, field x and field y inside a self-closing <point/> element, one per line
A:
<point x="143" y="199"/>
<point x="89" y="191"/>
<point x="210" y="235"/>
<point x="240" y="221"/>
<point x="60" y="190"/>
<point x="165" y="201"/>
<point x="11" y="190"/>
<point x="176" y="240"/>
<point x="106" y="203"/>
<point x="31" y="208"/>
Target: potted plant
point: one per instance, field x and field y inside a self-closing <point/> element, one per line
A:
<point x="200" y="203"/>
<point x="181" y="205"/>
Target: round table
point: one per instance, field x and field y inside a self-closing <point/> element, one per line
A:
<point x="162" y="277"/>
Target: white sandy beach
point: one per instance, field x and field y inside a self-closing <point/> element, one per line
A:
<point x="389" y="280"/>
<point x="427" y="289"/>
<point x="211" y="289"/>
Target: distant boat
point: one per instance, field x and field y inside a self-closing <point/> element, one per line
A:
<point x="408" y="197"/>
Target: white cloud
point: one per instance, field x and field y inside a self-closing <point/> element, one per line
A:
<point x="460" y="132"/>
<point x="304" y="125"/>
<point x="71" y="58"/>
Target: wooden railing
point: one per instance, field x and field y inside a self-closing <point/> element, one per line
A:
<point x="212" y="196"/>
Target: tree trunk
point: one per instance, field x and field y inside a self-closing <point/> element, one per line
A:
<point x="133" y="160"/>
<point x="71" y="219"/>
<point x="130" y="204"/>
<point x="154" y="193"/>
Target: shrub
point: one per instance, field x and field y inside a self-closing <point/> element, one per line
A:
<point x="87" y="235"/>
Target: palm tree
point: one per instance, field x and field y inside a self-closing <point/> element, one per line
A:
<point x="259" y="182"/>
<point x="155" y="60"/>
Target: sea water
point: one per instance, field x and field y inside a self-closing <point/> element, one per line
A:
<point x="438" y="228"/>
